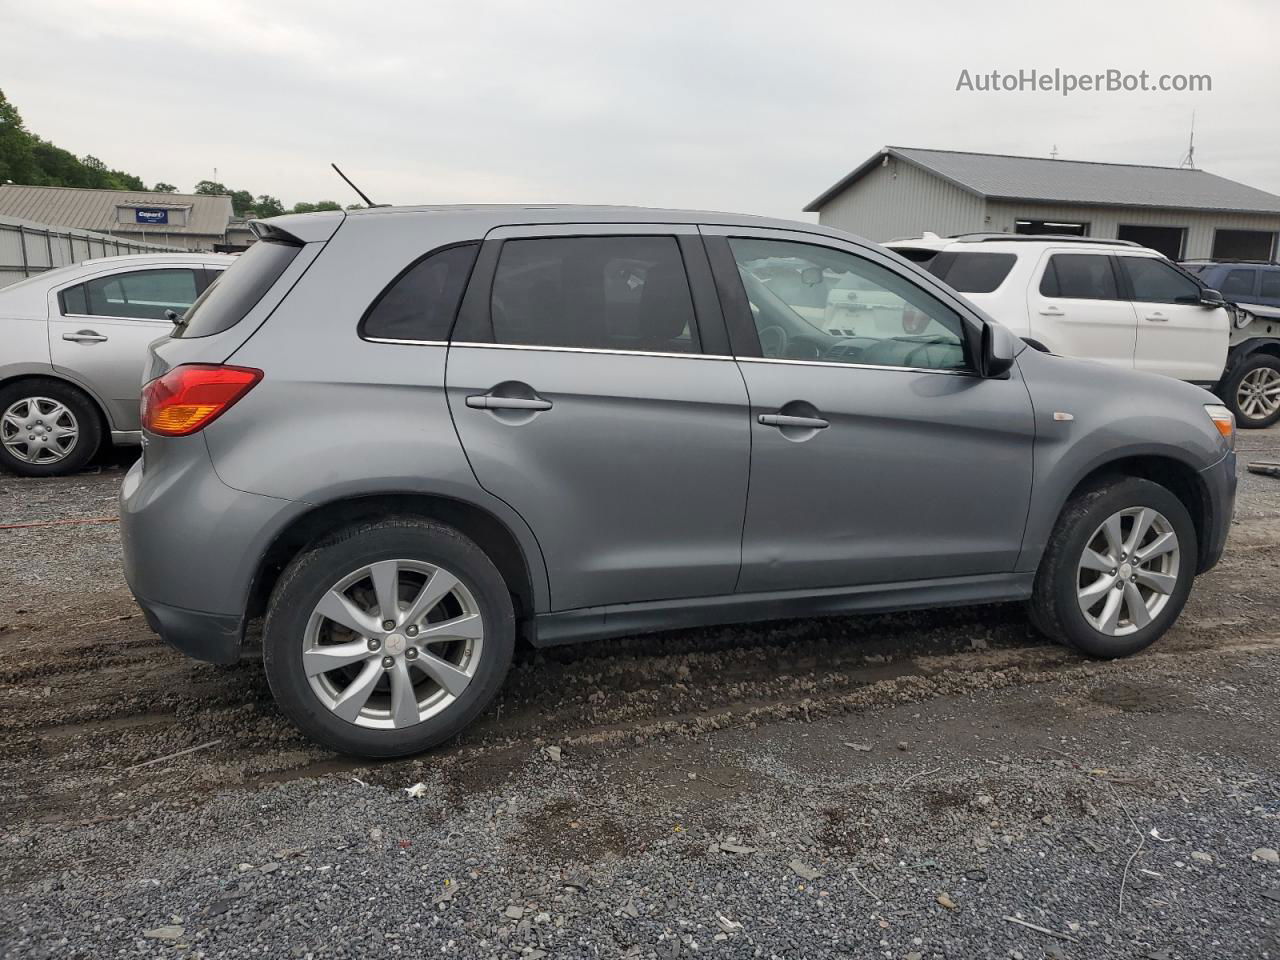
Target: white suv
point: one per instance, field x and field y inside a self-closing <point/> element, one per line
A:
<point x="1105" y="300"/>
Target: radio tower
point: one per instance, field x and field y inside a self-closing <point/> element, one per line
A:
<point x="1189" y="161"/>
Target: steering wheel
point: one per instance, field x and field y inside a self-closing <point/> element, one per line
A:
<point x="909" y="360"/>
<point x="774" y="341"/>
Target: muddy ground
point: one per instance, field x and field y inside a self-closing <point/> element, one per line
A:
<point x="903" y="759"/>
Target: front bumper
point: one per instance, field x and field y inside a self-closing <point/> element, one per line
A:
<point x="1220" y="485"/>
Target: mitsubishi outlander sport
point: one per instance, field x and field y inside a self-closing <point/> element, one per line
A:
<point x="408" y="437"/>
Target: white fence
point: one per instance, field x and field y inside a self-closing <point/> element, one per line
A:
<point x="28" y="248"/>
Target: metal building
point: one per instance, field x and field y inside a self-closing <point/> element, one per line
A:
<point x="904" y="191"/>
<point x="187" y="221"/>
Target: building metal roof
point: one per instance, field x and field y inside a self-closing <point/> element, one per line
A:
<point x="91" y="209"/>
<point x="1041" y="180"/>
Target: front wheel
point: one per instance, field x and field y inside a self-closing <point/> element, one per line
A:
<point x="1117" y="570"/>
<point x="1252" y="391"/>
<point x="388" y="638"/>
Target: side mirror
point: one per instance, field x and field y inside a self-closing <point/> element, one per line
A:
<point x="1212" y="298"/>
<point x="998" y="351"/>
<point x="173" y="316"/>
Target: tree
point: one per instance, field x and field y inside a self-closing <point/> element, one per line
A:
<point x="163" y="187"/>
<point x="241" y="202"/>
<point x="210" y="188"/>
<point x="268" y="206"/>
<point x="17" y="162"/>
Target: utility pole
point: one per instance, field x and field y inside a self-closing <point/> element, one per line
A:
<point x="1053" y="154"/>
<point x="1189" y="161"/>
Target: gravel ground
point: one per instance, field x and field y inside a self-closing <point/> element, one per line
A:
<point x="896" y="787"/>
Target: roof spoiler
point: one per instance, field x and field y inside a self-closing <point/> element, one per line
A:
<point x="298" y="228"/>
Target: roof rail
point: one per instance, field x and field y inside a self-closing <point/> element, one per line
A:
<point x="1213" y="260"/>
<point x="1028" y="237"/>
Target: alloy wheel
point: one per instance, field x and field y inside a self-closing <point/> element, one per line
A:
<point x="393" y="643"/>
<point x="39" y="430"/>
<point x="1258" y="395"/>
<point x="1128" y="571"/>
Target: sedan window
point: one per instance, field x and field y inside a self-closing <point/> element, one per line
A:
<point x="140" y="295"/>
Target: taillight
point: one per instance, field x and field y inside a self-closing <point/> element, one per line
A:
<point x="190" y="397"/>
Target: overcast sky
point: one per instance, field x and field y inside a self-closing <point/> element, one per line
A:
<point x="743" y="106"/>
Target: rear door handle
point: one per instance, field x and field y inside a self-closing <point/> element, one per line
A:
<point x="84" y="336"/>
<point x="1052" y="312"/>
<point x="487" y="401"/>
<point x="1158" y="316"/>
<point x="804" y="423"/>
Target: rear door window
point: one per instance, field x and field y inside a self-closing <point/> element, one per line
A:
<point x="606" y="293"/>
<point x="1079" y="276"/>
<point x="237" y="290"/>
<point x="1156" y="281"/>
<point x="977" y="272"/>
<point x="137" y="295"/>
<point x="1270" y="287"/>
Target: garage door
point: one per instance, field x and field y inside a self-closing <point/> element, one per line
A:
<point x="1168" y="240"/>
<point x="1243" y="244"/>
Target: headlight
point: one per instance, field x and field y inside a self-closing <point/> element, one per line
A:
<point x="1223" y="420"/>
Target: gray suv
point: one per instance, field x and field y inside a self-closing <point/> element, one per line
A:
<point x="408" y="436"/>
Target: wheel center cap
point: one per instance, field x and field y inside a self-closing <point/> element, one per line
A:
<point x="395" y="644"/>
<point x="1126" y="571"/>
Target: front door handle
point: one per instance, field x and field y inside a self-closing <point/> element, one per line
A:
<point x="803" y="423"/>
<point x="487" y="401"/>
<point x="1052" y="312"/>
<point x="84" y="336"/>
<point x="1162" y="318"/>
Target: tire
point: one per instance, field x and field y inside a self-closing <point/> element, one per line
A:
<point x="418" y="546"/>
<point x="1252" y="410"/>
<point x="37" y="399"/>
<point x="1055" y="605"/>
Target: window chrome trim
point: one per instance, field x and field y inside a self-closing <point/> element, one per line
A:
<point x="599" y="350"/>
<point x="408" y="343"/>
<point x="861" y="366"/>
<point x="111" y="316"/>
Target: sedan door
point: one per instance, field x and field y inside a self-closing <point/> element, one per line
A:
<point x="878" y="453"/>
<point x="594" y="398"/>
<point x="1075" y="308"/>
<point x="1178" y="336"/>
<point x="99" y="330"/>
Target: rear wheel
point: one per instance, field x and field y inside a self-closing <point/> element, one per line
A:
<point x="1117" y="570"/>
<point x="47" y="428"/>
<point x="1252" y="391"/>
<point x="388" y="638"/>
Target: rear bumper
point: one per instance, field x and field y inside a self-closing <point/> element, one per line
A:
<point x="205" y="636"/>
<point x="192" y="546"/>
<point x="1220" y="485"/>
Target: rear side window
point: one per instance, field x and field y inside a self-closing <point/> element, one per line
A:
<point x="138" y="295"/>
<point x="1155" y="281"/>
<point x="611" y="293"/>
<point x="1079" y="276"/>
<point x="1237" y="283"/>
<point x="1270" y="285"/>
<point x="421" y="303"/>
<point x="974" y="272"/>
<point x="237" y="290"/>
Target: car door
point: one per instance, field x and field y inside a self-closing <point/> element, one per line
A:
<point x="878" y="455"/>
<point x="1076" y="310"/>
<point x="1178" y="335"/>
<point x="593" y="397"/>
<point x="99" y="329"/>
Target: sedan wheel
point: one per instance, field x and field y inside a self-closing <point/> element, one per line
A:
<point x="393" y="643"/>
<point x="1128" y="571"/>
<point x="39" y="430"/>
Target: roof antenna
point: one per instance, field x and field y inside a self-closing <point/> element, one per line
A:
<point x="1189" y="161"/>
<point x="1053" y="154"/>
<point x="367" y="201"/>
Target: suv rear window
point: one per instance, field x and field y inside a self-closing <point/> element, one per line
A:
<point x="973" y="272"/>
<point x="1079" y="276"/>
<point x="237" y="290"/>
